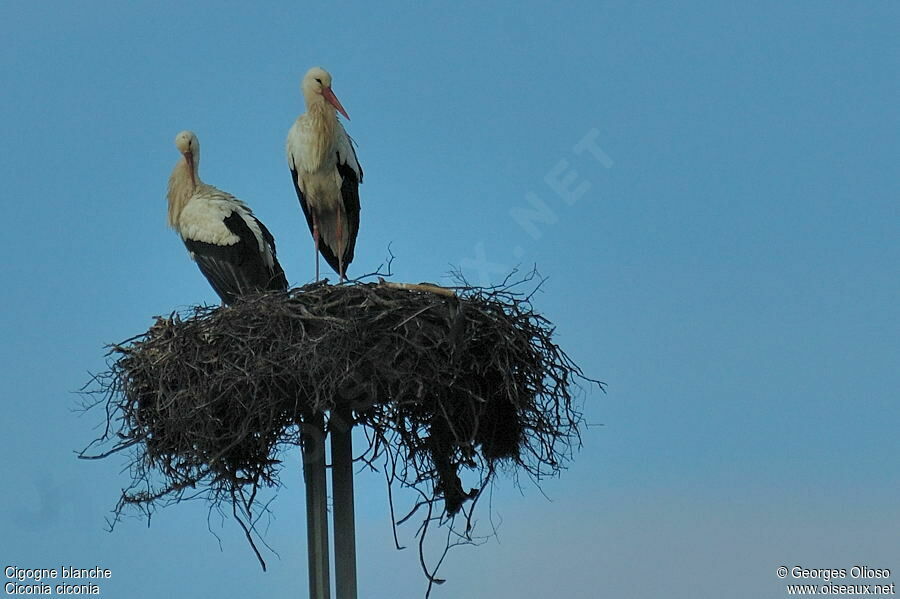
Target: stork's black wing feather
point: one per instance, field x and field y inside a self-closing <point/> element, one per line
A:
<point x="237" y="269"/>
<point x="277" y="279"/>
<point x="350" y="195"/>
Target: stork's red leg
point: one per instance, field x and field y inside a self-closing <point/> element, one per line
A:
<point x="316" y="245"/>
<point x="340" y="243"/>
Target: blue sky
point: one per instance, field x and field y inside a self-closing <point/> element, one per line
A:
<point x="730" y="268"/>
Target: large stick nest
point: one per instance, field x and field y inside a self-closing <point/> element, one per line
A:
<point x="441" y="383"/>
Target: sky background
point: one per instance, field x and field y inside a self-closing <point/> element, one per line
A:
<point x="723" y="251"/>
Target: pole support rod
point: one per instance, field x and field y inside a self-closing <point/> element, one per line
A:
<point x="341" y="432"/>
<point x="316" y="507"/>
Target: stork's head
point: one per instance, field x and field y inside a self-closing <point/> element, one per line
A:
<point x="316" y="87"/>
<point x="189" y="146"/>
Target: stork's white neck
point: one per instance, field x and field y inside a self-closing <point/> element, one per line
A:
<point x="181" y="188"/>
<point x="323" y="122"/>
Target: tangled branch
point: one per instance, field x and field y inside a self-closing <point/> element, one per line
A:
<point x="207" y="401"/>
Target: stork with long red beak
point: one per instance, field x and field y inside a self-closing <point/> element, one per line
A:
<point x="234" y="250"/>
<point x="325" y="172"/>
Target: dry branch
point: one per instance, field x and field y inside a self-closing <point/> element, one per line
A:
<point x="207" y="400"/>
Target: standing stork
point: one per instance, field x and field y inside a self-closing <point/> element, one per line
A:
<point x="325" y="172"/>
<point x="234" y="250"/>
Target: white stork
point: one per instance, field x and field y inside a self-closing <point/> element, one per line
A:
<point x="325" y="172"/>
<point x="234" y="250"/>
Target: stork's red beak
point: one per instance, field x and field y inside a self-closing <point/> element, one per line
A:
<point x="332" y="99"/>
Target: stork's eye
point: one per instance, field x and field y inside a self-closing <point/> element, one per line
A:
<point x="319" y="81"/>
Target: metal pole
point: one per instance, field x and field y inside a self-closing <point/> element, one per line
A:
<point x="316" y="507"/>
<point x="341" y="432"/>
